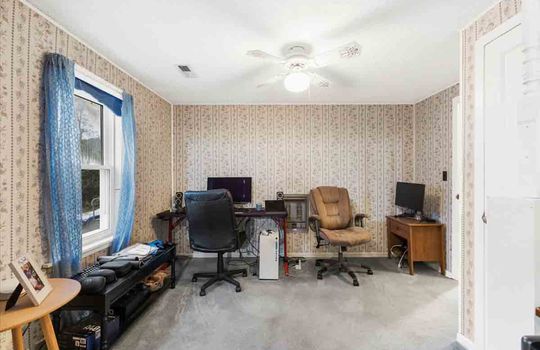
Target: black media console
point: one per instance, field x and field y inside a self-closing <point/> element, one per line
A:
<point x="102" y="303"/>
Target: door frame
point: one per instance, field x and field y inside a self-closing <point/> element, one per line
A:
<point x="456" y="187"/>
<point x="458" y="155"/>
<point x="479" y="180"/>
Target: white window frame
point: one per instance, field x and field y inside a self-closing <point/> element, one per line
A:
<point x="112" y="164"/>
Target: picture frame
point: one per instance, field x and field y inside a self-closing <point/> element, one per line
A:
<point x="31" y="278"/>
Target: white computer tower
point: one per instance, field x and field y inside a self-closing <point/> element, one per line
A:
<point x="268" y="255"/>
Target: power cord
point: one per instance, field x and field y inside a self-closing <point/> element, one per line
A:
<point x="250" y="249"/>
<point x="400" y="255"/>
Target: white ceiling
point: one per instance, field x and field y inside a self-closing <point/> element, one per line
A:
<point x="410" y="47"/>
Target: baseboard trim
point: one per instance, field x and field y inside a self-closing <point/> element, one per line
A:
<point x="436" y="267"/>
<point x="334" y="254"/>
<point x="464" y="342"/>
<point x="449" y="274"/>
<point x="321" y="255"/>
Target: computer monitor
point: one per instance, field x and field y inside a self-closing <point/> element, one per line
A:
<point x="240" y="187"/>
<point x="410" y="196"/>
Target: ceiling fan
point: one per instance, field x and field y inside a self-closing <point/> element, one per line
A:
<point x="300" y="67"/>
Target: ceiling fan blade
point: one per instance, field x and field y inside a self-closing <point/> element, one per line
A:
<point x="350" y="50"/>
<point x="319" y="81"/>
<point x="264" y="55"/>
<point x="272" y="80"/>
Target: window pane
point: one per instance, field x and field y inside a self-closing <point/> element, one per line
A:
<point x="90" y="200"/>
<point x="90" y="116"/>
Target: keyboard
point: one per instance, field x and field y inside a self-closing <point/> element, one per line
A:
<point x="243" y="210"/>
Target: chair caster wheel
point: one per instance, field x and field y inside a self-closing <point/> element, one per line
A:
<point x="369" y="272"/>
<point x="202" y="293"/>
<point x="319" y="276"/>
<point x="244" y="274"/>
<point x="238" y="289"/>
<point x="355" y="283"/>
<point x="194" y="279"/>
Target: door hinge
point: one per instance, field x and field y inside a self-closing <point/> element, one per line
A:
<point x="484" y="218"/>
<point x="457" y="196"/>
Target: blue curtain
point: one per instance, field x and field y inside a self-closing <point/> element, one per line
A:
<point x="126" y="208"/>
<point x="63" y="197"/>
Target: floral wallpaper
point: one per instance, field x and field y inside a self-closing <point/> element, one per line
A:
<point x="293" y="148"/>
<point x="483" y="25"/>
<point x="365" y="148"/>
<point x="433" y="152"/>
<point x="25" y="36"/>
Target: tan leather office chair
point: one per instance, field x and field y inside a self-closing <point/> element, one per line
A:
<point x="332" y="223"/>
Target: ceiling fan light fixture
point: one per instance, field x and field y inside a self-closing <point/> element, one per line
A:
<point x="297" y="82"/>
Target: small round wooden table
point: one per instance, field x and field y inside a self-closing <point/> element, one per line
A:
<point x="63" y="291"/>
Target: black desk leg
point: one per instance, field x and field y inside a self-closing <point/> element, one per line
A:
<point x="104" y="342"/>
<point x="173" y="270"/>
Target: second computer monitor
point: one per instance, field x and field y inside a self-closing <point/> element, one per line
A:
<point x="240" y="187"/>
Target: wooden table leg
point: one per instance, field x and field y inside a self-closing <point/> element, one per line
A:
<point x="410" y="257"/>
<point x="391" y="241"/>
<point x="17" y="336"/>
<point x="442" y="261"/>
<point x="411" y="264"/>
<point x="48" y="333"/>
<point x="442" y="264"/>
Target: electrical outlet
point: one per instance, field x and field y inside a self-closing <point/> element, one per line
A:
<point x="445" y="175"/>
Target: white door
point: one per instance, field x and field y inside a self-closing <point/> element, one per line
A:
<point x="505" y="215"/>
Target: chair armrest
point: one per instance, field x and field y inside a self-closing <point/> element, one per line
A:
<point x="314" y="222"/>
<point x="359" y="220"/>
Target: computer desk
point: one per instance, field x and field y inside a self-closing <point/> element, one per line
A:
<point x="174" y="218"/>
<point x="280" y="217"/>
<point x="425" y="240"/>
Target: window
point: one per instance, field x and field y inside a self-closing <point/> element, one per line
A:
<point x="90" y="117"/>
<point x="101" y="151"/>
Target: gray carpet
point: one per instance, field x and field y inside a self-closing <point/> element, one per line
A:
<point x="390" y="310"/>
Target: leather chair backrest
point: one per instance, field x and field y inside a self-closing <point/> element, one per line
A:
<point x="212" y="224"/>
<point x="333" y="206"/>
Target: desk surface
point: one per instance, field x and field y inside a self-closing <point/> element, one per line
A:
<point x="244" y="213"/>
<point x="63" y="290"/>
<point x="412" y="222"/>
<point x="254" y="213"/>
<point x="167" y="214"/>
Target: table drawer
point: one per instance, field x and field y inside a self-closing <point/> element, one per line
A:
<point x="396" y="227"/>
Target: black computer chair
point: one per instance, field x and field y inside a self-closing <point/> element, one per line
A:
<point x="213" y="229"/>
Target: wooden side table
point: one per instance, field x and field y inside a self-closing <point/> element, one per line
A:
<point x="425" y="240"/>
<point x="63" y="290"/>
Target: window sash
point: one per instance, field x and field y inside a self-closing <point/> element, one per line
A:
<point x="110" y="170"/>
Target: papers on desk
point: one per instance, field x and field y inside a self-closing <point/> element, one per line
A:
<point x="137" y="250"/>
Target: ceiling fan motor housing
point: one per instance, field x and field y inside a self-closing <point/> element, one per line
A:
<point x="297" y="58"/>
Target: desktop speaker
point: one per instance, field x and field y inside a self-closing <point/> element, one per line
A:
<point x="178" y="201"/>
<point x="280" y="196"/>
